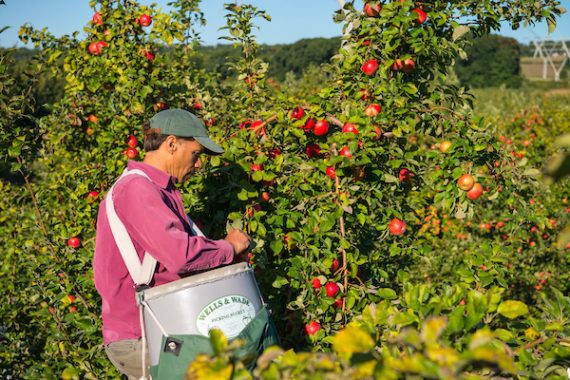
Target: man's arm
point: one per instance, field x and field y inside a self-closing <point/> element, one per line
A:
<point x="160" y="231"/>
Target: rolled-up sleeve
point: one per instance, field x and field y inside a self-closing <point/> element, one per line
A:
<point x="153" y="224"/>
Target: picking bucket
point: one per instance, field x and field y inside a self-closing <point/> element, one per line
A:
<point x="225" y="298"/>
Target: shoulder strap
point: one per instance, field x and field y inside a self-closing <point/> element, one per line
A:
<point x="194" y="227"/>
<point x="141" y="273"/>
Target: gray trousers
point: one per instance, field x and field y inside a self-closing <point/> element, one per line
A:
<point x="126" y="356"/>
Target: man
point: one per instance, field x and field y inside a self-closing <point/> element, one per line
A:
<point x="152" y="212"/>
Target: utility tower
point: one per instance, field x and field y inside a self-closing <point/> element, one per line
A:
<point x="554" y="53"/>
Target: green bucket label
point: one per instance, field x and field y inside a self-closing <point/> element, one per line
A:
<point x="229" y="314"/>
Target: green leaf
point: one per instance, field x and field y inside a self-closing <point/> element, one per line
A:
<point x="390" y="178"/>
<point x="70" y="373"/>
<point x="279" y="282"/>
<point x="504" y="335"/>
<point x="242" y="195"/>
<point x="512" y="309"/>
<point x="387" y="293"/>
<point x="218" y="341"/>
<point x="276" y="246"/>
<point x="351" y="340"/>
<point x="531" y="172"/>
<point x="257" y="176"/>
<point x="432" y="329"/>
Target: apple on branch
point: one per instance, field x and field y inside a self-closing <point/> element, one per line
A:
<point x="369" y="67"/>
<point x="97" y="19"/>
<point x="321" y="128"/>
<point x="372" y="9"/>
<point x="373" y="110"/>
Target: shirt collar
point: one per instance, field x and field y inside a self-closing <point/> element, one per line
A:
<point x="161" y="178"/>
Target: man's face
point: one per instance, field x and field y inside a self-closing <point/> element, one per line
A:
<point x="186" y="158"/>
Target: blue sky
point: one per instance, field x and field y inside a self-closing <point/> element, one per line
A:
<point x="292" y="19"/>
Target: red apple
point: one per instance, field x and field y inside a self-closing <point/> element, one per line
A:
<point x="372" y="9"/>
<point x="331" y="289"/>
<point x="97" y="19"/>
<point x="369" y="67"/>
<point x="330" y="172"/>
<point x="345" y="152"/>
<point x="160" y="106"/>
<point x="377" y="132"/>
<point x="268" y="183"/>
<point x="95" y="48"/>
<point x="297" y="113"/>
<point x="131" y="153"/>
<point x="405" y="175"/>
<point x="373" y="110"/>
<point x="337" y="303"/>
<point x="316" y="283"/>
<point x="321" y="128"/>
<point x="274" y="152"/>
<point x="145" y="20"/>
<point x="132" y="142"/>
<point x="197" y="106"/>
<point x="309" y="125"/>
<point x="349" y="128"/>
<point x="244" y="124"/>
<point x="253" y="208"/>
<point x="264" y="197"/>
<point x="444" y="146"/>
<point x="409" y="65"/>
<point x="71" y="298"/>
<point x="422" y="16"/>
<point x="364" y="94"/>
<point x="466" y="182"/>
<point x="73" y="309"/>
<point x="256" y="167"/>
<point x="312" y="328"/>
<point x="397" y="226"/>
<point x="335" y="265"/>
<point x="475" y="191"/>
<point x="149" y="55"/>
<point x="99" y="47"/>
<point x="92" y="119"/>
<point x="74" y="242"/>
<point x="313" y="150"/>
<point x="397" y="65"/>
<point x="92" y="196"/>
<point x="255" y="126"/>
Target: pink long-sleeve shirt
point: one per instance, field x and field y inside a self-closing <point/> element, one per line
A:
<point x="153" y="214"/>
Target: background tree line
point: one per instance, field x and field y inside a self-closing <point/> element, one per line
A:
<point x="491" y="61"/>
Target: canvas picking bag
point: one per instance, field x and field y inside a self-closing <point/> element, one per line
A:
<point x="176" y="317"/>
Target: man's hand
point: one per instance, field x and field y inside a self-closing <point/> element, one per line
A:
<point x="239" y="240"/>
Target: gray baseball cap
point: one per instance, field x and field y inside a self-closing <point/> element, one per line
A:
<point x="181" y="123"/>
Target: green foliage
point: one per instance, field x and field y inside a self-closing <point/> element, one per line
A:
<point x="491" y="61"/>
<point x="473" y="288"/>
<point x="392" y="340"/>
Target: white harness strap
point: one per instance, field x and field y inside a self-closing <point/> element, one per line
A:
<point x="141" y="273"/>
